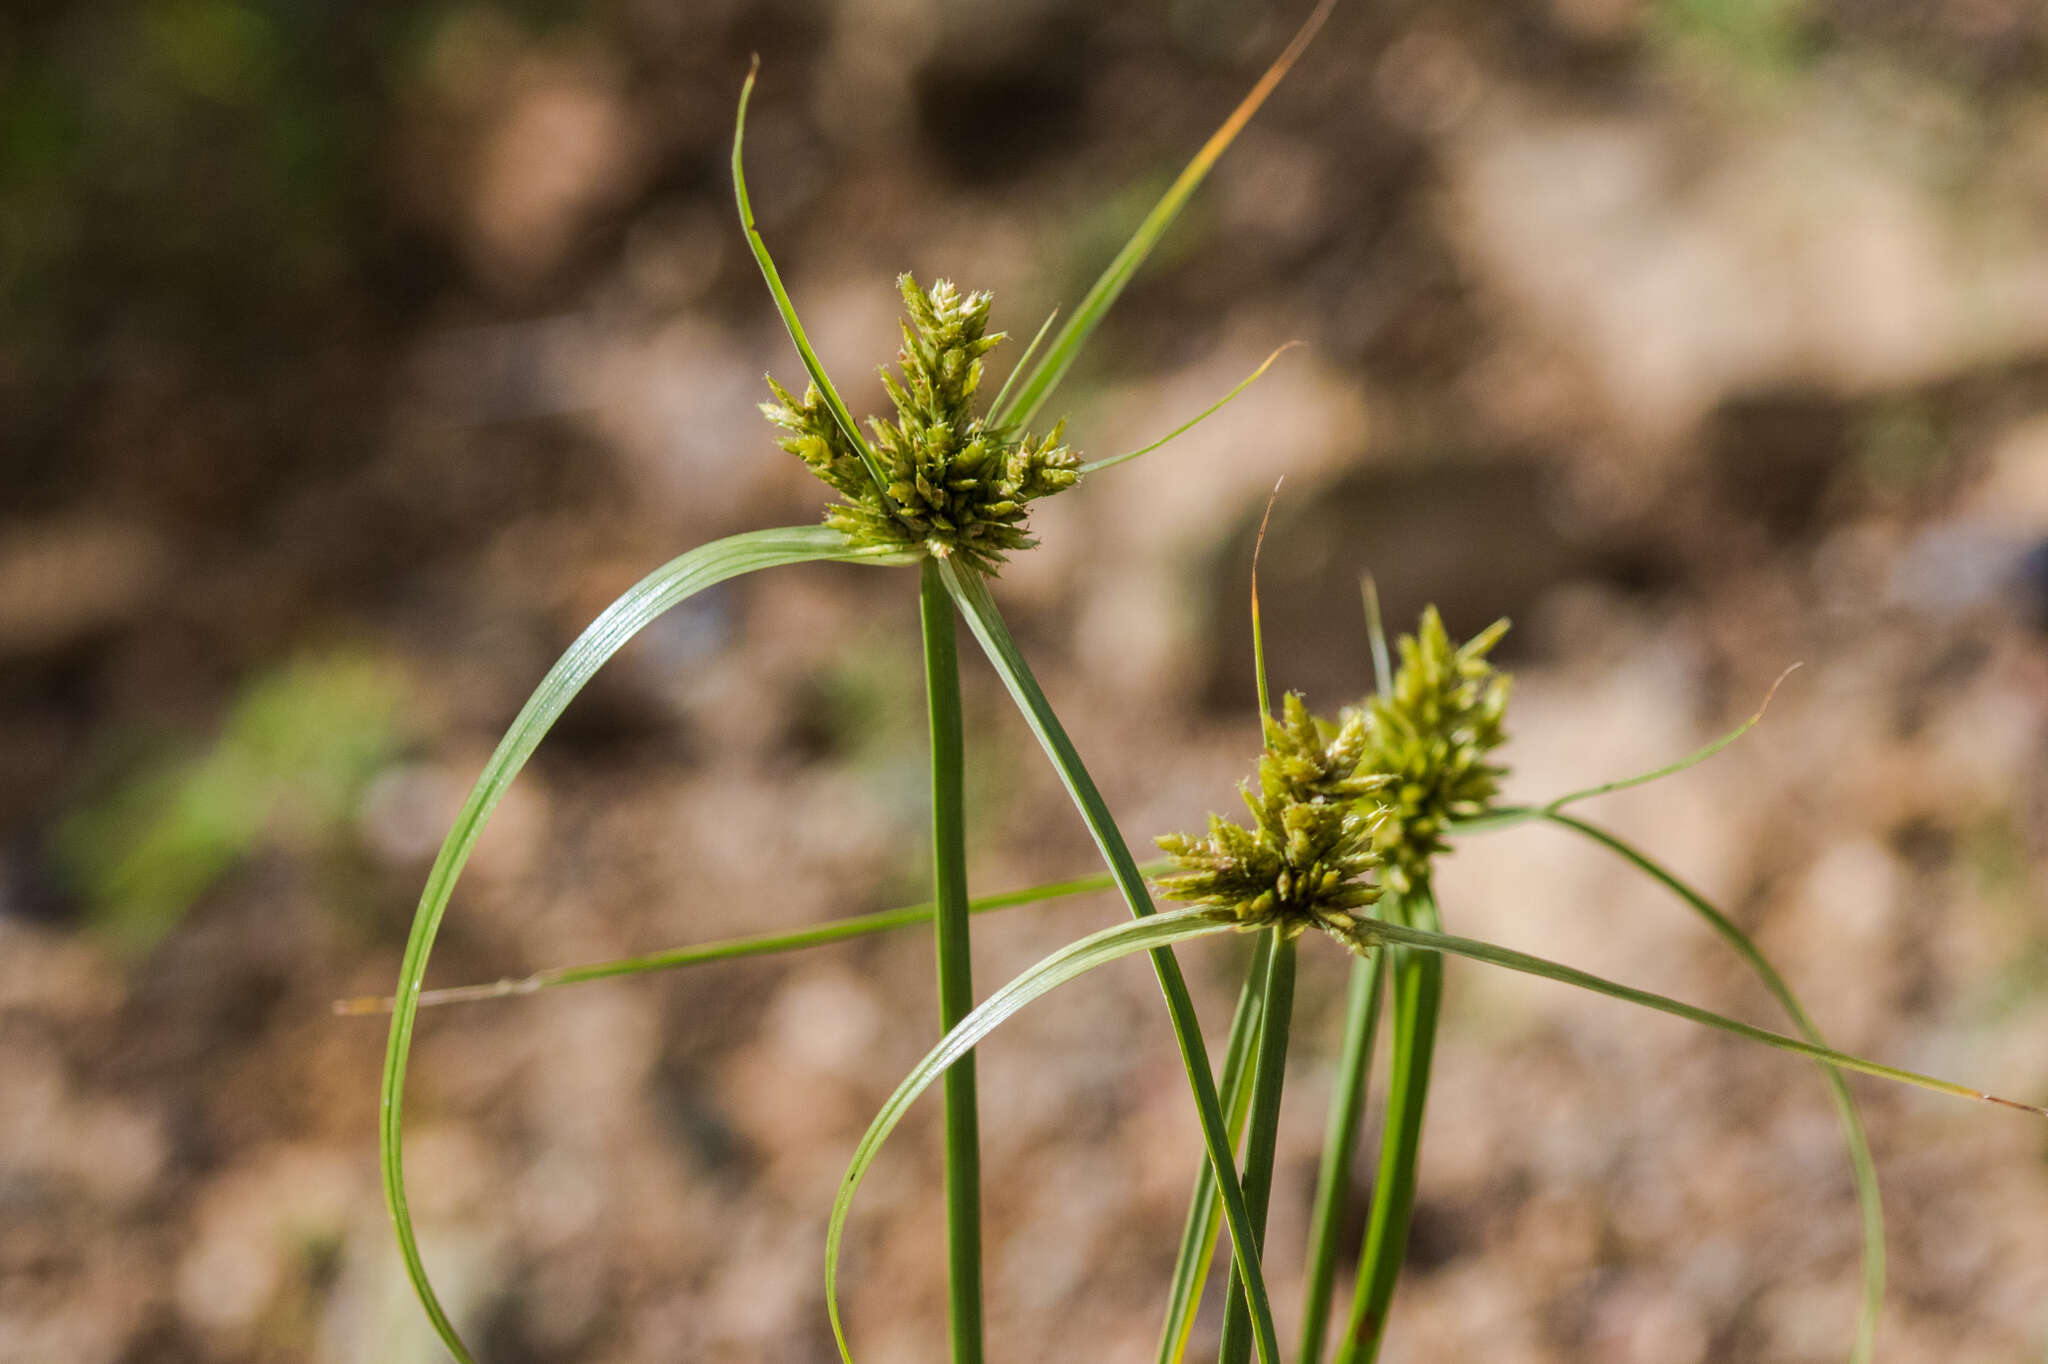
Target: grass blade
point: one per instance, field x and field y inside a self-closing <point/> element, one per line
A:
<point x="1340" y="1140"/>
<point x="1507" y="816"/>
<point x="1418" y="990"/>
<point x="1205" y="1219"/>
<point x="660" y="590"/>
<point x="1211" y="410"/>
<point x="812" y="365"/>
<point x="1023" y="361"/>
<point x="1153" y="933"/>
<point x="1376" y="635"/>
<point x="1868" y="1200"/>
<point x="956" y="968"/>
<point x="1373" y="931"/>
<point x="970" y="592"/>
<point x="753" y="945"/>
<point x="1096" y="303"/>
<point x="1268" y="1081"/>
<point x="1258" y="635"/>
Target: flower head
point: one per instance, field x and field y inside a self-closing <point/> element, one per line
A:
<point x="1304" y="861"/>
<point x="953" y="483"/>
<point x="1431" y="739"/>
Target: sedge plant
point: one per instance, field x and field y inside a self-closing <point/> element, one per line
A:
<point x="945" y="487"/>
<point x="1347" y="813"/>
<point x="1252" y="879"/>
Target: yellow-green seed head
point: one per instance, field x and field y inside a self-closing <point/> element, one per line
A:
<point x="1430" y="742"/>
<point x="1305" y="858"/>
<point x="956" y="484"/>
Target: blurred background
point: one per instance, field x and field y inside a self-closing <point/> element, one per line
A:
<point x="353" y="356"/>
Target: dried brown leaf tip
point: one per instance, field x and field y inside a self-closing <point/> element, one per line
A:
<point x="955" y="484"/>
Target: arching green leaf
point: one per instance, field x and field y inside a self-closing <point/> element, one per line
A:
<point x="666" y="587"/>
<point x="1862" y="1167"/>
<point x="1077" y="958"/>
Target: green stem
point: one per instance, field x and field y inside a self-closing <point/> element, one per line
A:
<point x="1418" y="988"/>
<point x="970" y="591"/>
<point x="1268" y="1080"/>
<point x="1204" y="1220"/>
<point x="956" y="969"/>
<point x="1340" y="1140"/>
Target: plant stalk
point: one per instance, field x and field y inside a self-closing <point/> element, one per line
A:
<point x="1418" y="988"/>
<point x="1268" y="1079"/>
<point x="1340" y="1141"/>
<point x="956" y="971"/>
<point x="1205" y="1218"/>
<point x="970" y="590"/>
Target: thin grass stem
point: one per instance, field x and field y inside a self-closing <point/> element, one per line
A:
<point x="1507" y="816"/>
<point x="1376" y="635"/>
<point x="1418" y="991"/>
<point x="1146" y="933"/>
<point x="1205" y="1218"/>
<point x="1340" y="1141"/>
<point x="1258" y="633"/>
<point x="955" y="963"/>
<point x="1268" y="1081"/>
<point x="970" y="592"/>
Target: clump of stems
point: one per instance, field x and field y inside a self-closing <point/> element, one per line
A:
<point x="1347" y="817"/>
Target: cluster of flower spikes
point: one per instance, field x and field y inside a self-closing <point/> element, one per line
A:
<point x="1304" y="861"/>
<point x="1431" y="739"/>
<point x="954" y="484"/>
<point x="1372" y="792"/>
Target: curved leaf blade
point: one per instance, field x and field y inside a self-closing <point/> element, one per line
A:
<point x="1076" y="959"/>
<point x="1507" y="816"/>
<point x="1371" y="931"/>
<point x="666" y="587"/>
<point x="1862" y="1167"/>
<point x="1096" y="466"/>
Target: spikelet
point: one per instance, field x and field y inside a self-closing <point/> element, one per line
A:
<point x="955" y="484"/>
<point x="1431" y="740"/>
<point x="1305" y="858"/>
